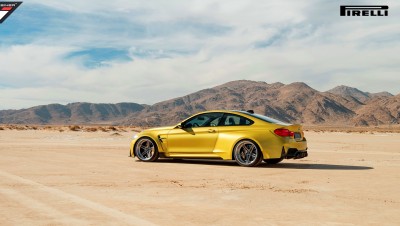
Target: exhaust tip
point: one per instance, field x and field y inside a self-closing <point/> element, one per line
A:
<point x="300" y="155"/>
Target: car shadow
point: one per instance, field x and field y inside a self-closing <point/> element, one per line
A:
<point x="315" y="166"/>
<point x="282" y="165"/>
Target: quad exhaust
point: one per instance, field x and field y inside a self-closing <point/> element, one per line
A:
<point x="300" y="155"/>
<point x="296" y="154"/>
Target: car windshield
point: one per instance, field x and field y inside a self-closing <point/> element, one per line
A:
<point x="265" y="118"/>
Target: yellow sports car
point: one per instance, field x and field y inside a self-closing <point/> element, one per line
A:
<point x="243" y="136"/>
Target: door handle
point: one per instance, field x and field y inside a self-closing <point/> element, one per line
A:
<point x="211" y="130"/>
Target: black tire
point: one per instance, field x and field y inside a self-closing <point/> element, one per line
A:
<point x="247" y="153"/>
<point x="146" y="150"/>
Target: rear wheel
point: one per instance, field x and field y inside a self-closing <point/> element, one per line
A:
<point x="146" y="150"/>
<point x="247" y="153"/>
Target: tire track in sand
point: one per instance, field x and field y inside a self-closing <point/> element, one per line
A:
<point x="42" y="208"/>
<point x="129" y="219"/>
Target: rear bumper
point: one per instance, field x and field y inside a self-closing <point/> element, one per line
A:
<point x="296" y="149"/>
<point x="293" y="153"/>
<point x="293" y="144"/>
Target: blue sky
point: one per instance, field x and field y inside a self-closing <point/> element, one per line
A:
<point x="149" y="51"/>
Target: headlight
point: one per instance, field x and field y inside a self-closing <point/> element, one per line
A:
<point x="136" y="136"/>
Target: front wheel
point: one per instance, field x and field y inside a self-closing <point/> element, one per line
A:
<point x="247" y="153"/>
<point x="146" y="150"/>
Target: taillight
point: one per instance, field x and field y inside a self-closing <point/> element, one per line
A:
<point x="284" y="132"/>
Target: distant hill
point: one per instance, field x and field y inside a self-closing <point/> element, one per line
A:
<point x="295" y="102"/>
<point x="350" y="92"/>
<point x="75" y="113"/>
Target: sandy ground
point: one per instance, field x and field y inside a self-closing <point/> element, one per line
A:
<point x="83" y="178"/>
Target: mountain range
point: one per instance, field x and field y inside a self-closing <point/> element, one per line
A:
<point x="296" y="102"/>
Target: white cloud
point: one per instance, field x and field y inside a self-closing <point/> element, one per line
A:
<point x="264" y="40"/>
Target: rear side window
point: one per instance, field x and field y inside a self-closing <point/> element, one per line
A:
<point x="235" y="120"/>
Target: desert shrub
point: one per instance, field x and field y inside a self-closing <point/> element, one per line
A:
<point x="103" y="129"/>
<point x="74" y="128"/>
<point x="112" y="128"/>
<point x="47" y="128"/>
<point x="91" y="129"/>
<point x="20" y="128"/>
<point x="1" y="128"/>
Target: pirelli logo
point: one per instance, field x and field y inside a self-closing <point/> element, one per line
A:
<point x="364" y="10"/>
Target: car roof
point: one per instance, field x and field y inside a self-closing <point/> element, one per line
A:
<point x="253" y="116"/>
<point x="224" y="111"/>
<point x="242" y="113"/>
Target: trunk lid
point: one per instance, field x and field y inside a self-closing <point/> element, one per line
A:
<point x="297" y="129"/>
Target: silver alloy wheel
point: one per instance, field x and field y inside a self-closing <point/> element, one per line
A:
<point x="145" y="149"/>
<point x="246" y="153"/>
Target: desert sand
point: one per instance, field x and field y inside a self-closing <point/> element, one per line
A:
<point x="86" y="178"/>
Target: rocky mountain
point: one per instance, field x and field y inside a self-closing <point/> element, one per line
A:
<point x="356" y="94"/>
<point x="75" y="113"/>
<point x="295" y="102"/>
<point x="350" y="93"/>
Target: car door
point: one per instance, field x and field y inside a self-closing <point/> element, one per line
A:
<point x="197" y="136"/>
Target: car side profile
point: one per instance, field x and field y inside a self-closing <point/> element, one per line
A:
<point x="243" y="136"/>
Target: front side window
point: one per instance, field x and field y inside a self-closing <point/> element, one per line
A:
<point x="203" y="120"/>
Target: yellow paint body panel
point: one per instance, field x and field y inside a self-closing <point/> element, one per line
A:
<point x="219" y="141"/>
